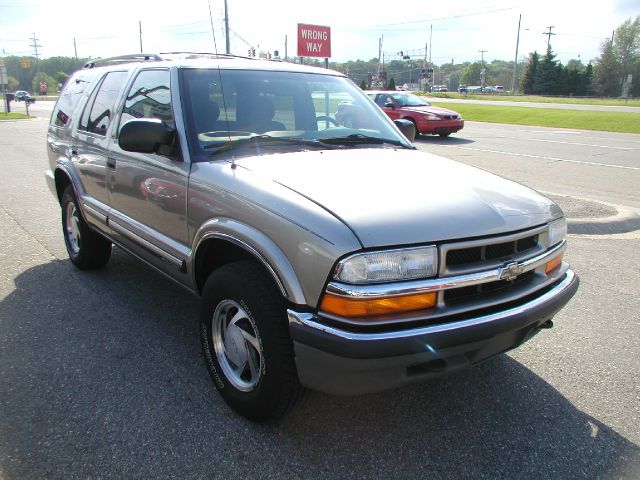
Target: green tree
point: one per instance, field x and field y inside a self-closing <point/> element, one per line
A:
<point x="528" y="81"/>
<point x="471" y="75"/>
<point x="392" y="84"/>
<point x="606" y="72"/>
<point x="12" y="83"/>
<point x="363" y="85"/>
<point x="627" y="47"/>
<point x="39" y="77"/>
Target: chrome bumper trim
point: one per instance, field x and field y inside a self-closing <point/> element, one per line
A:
<point x="437" y="284"/>
<point x="310" y="320"/>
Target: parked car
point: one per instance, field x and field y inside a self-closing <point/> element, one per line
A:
<point x="427" y="118"/>
<point x="462" y="89"/>
<point x="327" y="256"/>
<point x="439" y="89"/>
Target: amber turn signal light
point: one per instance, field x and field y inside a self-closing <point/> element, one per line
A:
<point x="553" y="264"/>
<point x="359" y="307"/>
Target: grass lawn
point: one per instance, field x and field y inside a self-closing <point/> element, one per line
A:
<point x="635" y="102"/>
<point x="13" y="116"/>
<point x="624" y="122"/>
<point x="540" y="99"/>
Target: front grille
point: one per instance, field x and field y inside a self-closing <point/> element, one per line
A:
<point x="494" y="251"/>
<point x="485" y="290"/>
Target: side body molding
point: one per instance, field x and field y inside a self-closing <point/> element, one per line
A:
<point x="258" y="245"/>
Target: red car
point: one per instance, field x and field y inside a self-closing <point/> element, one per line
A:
<point x="427" y="118"/>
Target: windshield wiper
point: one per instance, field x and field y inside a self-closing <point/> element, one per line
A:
<point x="359" y="138"/>
<point x="227" y="145"/>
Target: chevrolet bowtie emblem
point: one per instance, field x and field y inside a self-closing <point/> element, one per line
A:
<point x="511" y="271"/>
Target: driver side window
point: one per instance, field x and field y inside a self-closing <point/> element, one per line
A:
<point x="149" y="97"/>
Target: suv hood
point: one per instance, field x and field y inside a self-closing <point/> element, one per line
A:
<point x="402" y="197"/>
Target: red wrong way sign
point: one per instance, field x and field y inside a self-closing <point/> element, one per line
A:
<point x="314" y="41"/>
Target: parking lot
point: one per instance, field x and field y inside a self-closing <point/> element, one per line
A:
<point x="101" y="373"/>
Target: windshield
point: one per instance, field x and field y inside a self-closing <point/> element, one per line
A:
<point x="409" y="100"/>
<point x="251" y="112"/>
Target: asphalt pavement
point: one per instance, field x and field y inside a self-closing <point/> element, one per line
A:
<point x="101" y="374"/>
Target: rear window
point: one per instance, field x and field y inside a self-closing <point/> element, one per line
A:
<point x="70" y="97"/>
<point x="99" y="108"/>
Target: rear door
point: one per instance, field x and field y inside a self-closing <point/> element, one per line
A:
<point x="89" y="151"/>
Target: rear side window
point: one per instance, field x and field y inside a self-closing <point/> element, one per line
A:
<point x="149" y="97"/>
<point x="70" y="96"/>
<point x="99" y="108"/>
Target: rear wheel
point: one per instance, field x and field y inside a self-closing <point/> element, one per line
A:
<point x="246" y="343"/>
<point x="444" y="135"/>
<point x="87" y="249"/>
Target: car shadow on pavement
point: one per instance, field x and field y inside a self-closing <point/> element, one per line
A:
<point x="101" y="375"/>
<point x="436" y="140"/>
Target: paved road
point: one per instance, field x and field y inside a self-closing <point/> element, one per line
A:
<point x="101" y="373"/>
<point x="560" y="106"/>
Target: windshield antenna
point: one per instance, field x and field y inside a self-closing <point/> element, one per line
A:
<point x="215" y="46"/>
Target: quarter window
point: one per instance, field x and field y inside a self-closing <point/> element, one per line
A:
<point x="96" y="119"/>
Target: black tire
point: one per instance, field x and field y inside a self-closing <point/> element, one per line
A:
<point x="264" y="385"/>
<point x="444" y="135"/>
<point x="87" y="249"/>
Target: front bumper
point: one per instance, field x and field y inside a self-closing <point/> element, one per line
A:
<point x="343" y="362"/>
<point x="440" y="126"/>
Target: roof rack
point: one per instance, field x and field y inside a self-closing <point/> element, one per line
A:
<point x="158" y="57"/>
<point x="191" y="55"/>
<point x="136" y="57"/>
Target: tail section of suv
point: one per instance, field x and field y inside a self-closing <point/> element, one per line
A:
<point x="328" y="254"/>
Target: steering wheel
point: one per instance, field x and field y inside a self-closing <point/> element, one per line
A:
<point x="327" y="119"/>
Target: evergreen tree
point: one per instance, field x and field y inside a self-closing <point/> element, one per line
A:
<point x="549" y="77"/>
<point x="392" y="84"/>
<point x="528" y="81"/>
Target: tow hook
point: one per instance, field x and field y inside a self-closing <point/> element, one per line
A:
<point x="546" y="325"/>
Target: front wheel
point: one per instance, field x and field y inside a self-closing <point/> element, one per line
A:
<point x="246" y="343"/>
<point x="87" y="249"/>
<point x="444" y="135"/>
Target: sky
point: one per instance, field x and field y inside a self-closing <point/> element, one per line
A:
<point x="456" y="31"/>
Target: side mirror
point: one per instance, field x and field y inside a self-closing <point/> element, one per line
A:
<point x="390" y="105"/>
<point x="148" y="135"/>
<point x="407" y="128"/>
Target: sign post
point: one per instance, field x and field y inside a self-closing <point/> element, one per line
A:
<point x="4" y="79"/>
<point x="314" y="41"/>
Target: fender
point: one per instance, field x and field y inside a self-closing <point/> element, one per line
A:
<point x="261" y="247"/>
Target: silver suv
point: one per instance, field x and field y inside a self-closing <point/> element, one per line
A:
<point x="329" y="256"/>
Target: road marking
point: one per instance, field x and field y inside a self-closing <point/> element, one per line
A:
<point x="553" y="132"/>
<point x="541" y="157"/>
<point x="580" y="144"/>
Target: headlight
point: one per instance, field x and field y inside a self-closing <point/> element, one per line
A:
<point x="388" y="266"/>
<point x="557" y="231"/>
<point x="432" y="117"/>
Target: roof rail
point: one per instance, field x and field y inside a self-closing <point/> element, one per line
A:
<point x="190" y="55"/>
<point x="136" y="57"/>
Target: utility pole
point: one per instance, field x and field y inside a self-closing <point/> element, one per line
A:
<point x="548" y="34"/>
<point x="482" y="71"/>
<point x="286" y="50"/>
<point x="140" y="29"/>
<point x="226" y="26"/>
<point x="35" y="46"/>
<point x="75" y="48"/>
<point x="515" y="63"/>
